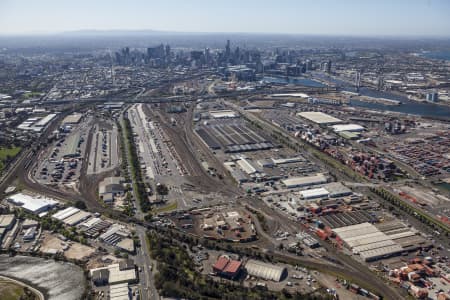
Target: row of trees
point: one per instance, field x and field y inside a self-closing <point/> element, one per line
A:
<point x="417" y="213"/>
<point x="139" y="184"/>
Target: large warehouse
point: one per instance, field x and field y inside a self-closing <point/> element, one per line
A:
<point x="223" y="114"/>
<point x="348" y="127"/>
<point x="265" y="271"/>
<point x="368" y="241"/>
<point x="314" y="193"/>
<point x="74" y="118"/>
<point x="319" y="117"/>
<point x="33" y="204"/>
<point x="71" y="216"/>
<point x="294" y="182"/>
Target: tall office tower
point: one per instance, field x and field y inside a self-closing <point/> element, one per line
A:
<point x="308" y="65"/>
<point x="380" y="82"/>
<point x="237" y="56"/>
<point x="207" y="57"/>
<point x="167" y="50"/>
<point x="328" y="68"/>
<point x="227" y="50"/>
<point x="357" y="80"/>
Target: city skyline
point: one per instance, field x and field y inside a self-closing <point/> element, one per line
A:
<point x="354" y="18"/>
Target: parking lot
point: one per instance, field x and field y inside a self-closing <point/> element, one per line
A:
<point x="103" y="155"/>
<point x="61" y="163"/>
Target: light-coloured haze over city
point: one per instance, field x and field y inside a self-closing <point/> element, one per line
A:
<point x="348" y="17"/>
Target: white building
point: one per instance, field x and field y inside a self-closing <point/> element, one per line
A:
<point x="34" y="204"/>
<point x="294" y="182"/>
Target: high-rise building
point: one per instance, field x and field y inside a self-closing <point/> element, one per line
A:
<point x="227" y="50"/>
<point x="432" y="97"/>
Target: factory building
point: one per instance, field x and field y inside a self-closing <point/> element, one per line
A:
<point x="265" y="271"/>
<point x="314" y="194"/>
<point x="34" y="204"/>
<point x="7" y="221"/>
<point x="289" y="160"/>
<point x="73" y="143"/>
<point x="337" y="189"/>
<point x="119" y="292"/>
<point x="42" y="123"/>
<point x="123" y="272"/>
<point x="110" y="188"/>
<point x="71" y="216"/>
<point x="36" y="124"/>
<point x="319" y="118"/>
<point x="295" y="182"/>
<point x="348" y="128"/>
<point x="368" y="241"/>
<point x="227" y="267"/>
<point x="246" y="166"/>
<point x="223" y="114"/>
<point x="72" y="119"/>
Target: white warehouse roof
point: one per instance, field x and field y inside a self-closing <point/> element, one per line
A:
<point x="348" y="127"/>
<point x="45" y="120"/>
<point x="314" y="193"/>
<point x="246" y="166"/>
<point x="319" y="117"/>
<point x="304" y="181"/>
<point x="34" y="204"/>
<point x="368" y="241"/>
<point x="220" y="114"/>
<point x="65" y="213"/>
<point x="264" y="270"/>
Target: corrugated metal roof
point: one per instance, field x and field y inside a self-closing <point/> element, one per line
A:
<point x="264" y="270"/>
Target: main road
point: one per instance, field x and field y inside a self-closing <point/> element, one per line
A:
<point x="146" y="280"/>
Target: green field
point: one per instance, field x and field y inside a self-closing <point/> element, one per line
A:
<point x="5" y="152"/>
<point x="11" y="291"/>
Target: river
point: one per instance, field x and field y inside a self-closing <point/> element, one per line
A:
<point x="293" y="80"/>
<point x="408" y="106"/>
<point x="56" y="280"/>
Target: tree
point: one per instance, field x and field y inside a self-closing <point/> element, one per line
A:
<point x="80" y="204"/>
<point x="161" y="189"/>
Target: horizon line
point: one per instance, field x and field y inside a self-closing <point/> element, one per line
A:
<point x="93" y="32"/>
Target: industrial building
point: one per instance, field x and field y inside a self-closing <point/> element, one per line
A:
<point x="265" y="271"/>
<point x="289" y="160"/>
<point x="119" y="292"/>
<point x="342" y="219"/>
<point x="72" y="119"/>
<point x="110" y="188"/>
<point x="7" y="221"/>
<point x="368" y="241"/>
<point x="319" y="118"/>
<point x="34" y="204"/>
<point x="227" y="267"/>
<point x="115" y="234"/>
<point x="114" y="274"/>
<point x="71" y="216"/>
<point x="246" y="166"/>
<point x="294" y="182"/>
<point x="72" y="149"/>
<point x="232" y="138"/>
<point x="348" y="128"/>
<point x="42" y="123"/>
<point x="36" y="124"/>
<point x="314" y="193"/>
<point x="223" y="114"/>
<point x="94" y="226"/>
<point x="337" y="189"/>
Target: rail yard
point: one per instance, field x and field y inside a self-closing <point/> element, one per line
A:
<point x="168" y="175"/>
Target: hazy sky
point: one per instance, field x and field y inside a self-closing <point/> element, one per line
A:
<point x="334" y="17"/>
